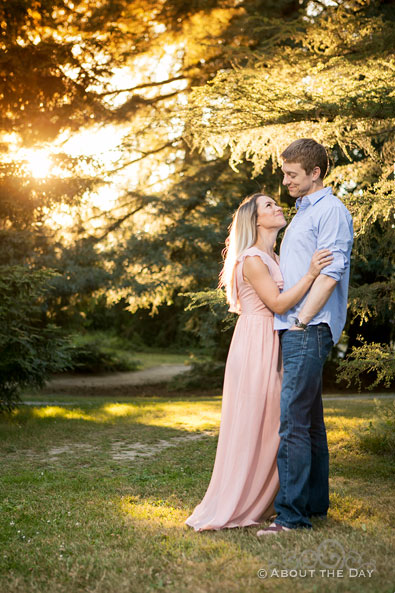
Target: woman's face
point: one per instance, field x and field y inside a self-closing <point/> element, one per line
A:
<point x="269" y="214"/>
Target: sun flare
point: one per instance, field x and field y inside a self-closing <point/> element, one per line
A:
<point x="38" y="162"/>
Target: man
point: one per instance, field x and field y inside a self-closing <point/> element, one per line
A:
<point x="308" y="332"/>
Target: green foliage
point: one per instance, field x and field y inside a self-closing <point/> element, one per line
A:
<point x="214" y="302"/>
<point x="214" y="299"/>
<point x="324" y="72"/>
<point x="378" y="435"/>
<point x="211" y="322"/>
<point x="372" y="300"/>
<point x="187" y="223"/>
<point x="101" y="353"/>
<point x="31" y="347"/>
<point x="368" y="358"/>
<point x="204" y="375"/>
<point x="69" y="87"/>
<point x="160" y="236"/>
<point x="323" y="84"/>
<point x="240" y="80"/>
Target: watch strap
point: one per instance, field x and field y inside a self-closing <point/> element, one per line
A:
<point x="300" y="324"/>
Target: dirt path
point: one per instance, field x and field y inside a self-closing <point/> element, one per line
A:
<point x="113" y="383"/>
<point x="140" y="383"/>
<point x="127" y="451"/>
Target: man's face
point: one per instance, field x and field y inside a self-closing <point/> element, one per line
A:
<point x="297" y="181"/>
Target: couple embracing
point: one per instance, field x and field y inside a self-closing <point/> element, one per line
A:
<point x="272" y="453"/>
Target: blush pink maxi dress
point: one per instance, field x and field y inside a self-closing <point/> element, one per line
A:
<point x="245" y="480"/>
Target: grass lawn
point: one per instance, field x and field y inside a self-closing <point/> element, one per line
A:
<point x="94" y="497"/>
<point x="151" y="358"/>
<point x="96" y="351"/>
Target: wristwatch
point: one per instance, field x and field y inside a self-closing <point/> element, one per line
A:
<point x="298" y="323"/>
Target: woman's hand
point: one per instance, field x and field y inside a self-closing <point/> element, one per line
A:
<point x="321" y="258"/>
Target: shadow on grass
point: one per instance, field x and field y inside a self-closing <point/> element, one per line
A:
<point x="128" y="513"/>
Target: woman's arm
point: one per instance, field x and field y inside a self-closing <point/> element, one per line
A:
<point x="258" y="275"/>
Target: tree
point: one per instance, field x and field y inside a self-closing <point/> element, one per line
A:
<point x="124" y="69"/>
<point x="58" y="69"/>
<point x="327" y="73"/>
<point x="128" y="213"/>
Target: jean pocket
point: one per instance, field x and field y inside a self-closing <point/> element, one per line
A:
<point x="294" y="342"/>
<point x="291" y="332"/>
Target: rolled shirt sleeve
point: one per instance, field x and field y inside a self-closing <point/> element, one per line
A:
<point x="335" y="232"/>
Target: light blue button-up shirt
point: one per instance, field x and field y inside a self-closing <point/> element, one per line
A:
<point x="322" y="221"/>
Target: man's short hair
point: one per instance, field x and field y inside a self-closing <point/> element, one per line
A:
<point x="309" y="154"/>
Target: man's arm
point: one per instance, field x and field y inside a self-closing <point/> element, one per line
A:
<point x="335" y="234"/>
<point x="319" y="294"/>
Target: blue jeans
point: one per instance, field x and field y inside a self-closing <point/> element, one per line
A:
<point x="303" y="458"/>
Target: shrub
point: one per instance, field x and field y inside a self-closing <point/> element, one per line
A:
<point x="31" y="347"/>
<point x="378" y="436"/>
<point x="203" y="375"/>
<point x="100" y="353"/>
<point x="368" y="360"/>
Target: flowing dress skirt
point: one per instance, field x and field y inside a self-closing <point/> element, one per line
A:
<point x="245" y="481"/>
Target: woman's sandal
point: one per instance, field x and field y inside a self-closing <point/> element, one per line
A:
<point x="273" y="528"/>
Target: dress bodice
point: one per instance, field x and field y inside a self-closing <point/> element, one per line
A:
<point x="248" y="301"/>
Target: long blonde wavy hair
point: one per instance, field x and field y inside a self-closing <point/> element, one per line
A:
<point x="242" y="235"/>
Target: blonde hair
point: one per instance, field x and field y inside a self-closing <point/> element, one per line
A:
<point x="242" y="235"/>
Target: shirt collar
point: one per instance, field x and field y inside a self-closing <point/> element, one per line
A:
<point x="312" y="199"/>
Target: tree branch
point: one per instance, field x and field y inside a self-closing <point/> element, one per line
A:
<point x="141" y="86"/>
<point x="143" y="156"/>
<point x="116" y="225"/>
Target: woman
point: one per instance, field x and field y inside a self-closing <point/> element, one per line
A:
<point x="244" y="482"/>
